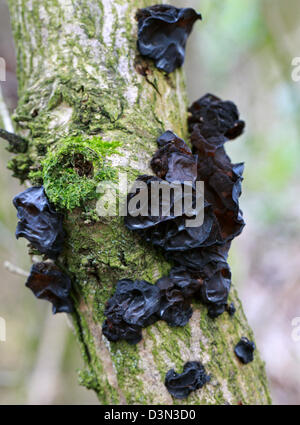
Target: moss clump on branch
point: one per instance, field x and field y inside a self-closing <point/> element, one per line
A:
<point x="71" y="172"/>
<point x="20" y="166"/>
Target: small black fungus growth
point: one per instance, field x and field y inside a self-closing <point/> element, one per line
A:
<point x="134" y="305"/>
<point x="231" y="309"/>
<point x="39" y="223"/>
<point x="193" y="377"/>
<point x="162" y="34"/>
<point x="47" y="282"/>
<point x="244" y="350"/>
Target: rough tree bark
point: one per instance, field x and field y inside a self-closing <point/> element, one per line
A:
<point x="79" y="73"/>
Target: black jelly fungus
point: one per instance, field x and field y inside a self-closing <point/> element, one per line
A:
<point x="47" y="282"/>
<point x="143" y="222"/>
<point x="174" y="235"/>
<point x="193" y="377"/>
<point x="244" y="350"/>
<point x="119" y="330"/>
<point x="174" y="160"/>
<point x="134" y="305"/>
<point x="200" y="258"/>
<point x="231" y="309"/>
<point x="189" y="283"/>
<point x="174" y="308"/>
<point x="215" y="310"/>
<point x="217" y="120"/>
<point x="162" y="34"/>
<point x="215" y="288"/>
<point x="38" y="222"/>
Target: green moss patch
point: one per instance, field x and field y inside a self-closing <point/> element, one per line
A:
<point x="71" y="172"/>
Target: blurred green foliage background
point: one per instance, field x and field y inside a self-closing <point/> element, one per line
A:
<point x="242" y="51"/>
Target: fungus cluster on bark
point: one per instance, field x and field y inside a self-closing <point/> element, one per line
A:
<point x="202" y="250"/>
<point x="136" y="305"/>
<point x="42" y="226"/>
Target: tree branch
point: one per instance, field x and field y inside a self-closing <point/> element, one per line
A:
<point x="80" y="74"/>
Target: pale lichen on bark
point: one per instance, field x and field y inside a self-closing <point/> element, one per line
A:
<point x="79" y="73"/>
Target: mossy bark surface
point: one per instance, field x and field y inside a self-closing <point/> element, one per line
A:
<point x="81" y="81"/>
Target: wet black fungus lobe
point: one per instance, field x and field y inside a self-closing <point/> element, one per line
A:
<point x="140" y="222"/>
<point x="231" y="309"/>
<point x="117" y="329"/>
<point x="175" y="236"/>
<point x="188" y="283"/>
<point x="133" y="306"/>
<point x="47" y="282"/>
<point x="216" y="289"/>
<point x="38" y="222"/>
<point x="216" y="120"/>
<point x="174" y="308"/>
<point x="193" y="377"/>
<point x="244" y="350"/>
<point x="213" y="122"/>
<point x="162" y="34"/>
<point x="174" y="160"/>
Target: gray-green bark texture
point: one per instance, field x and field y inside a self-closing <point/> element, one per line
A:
<point x="80" y="75"/>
